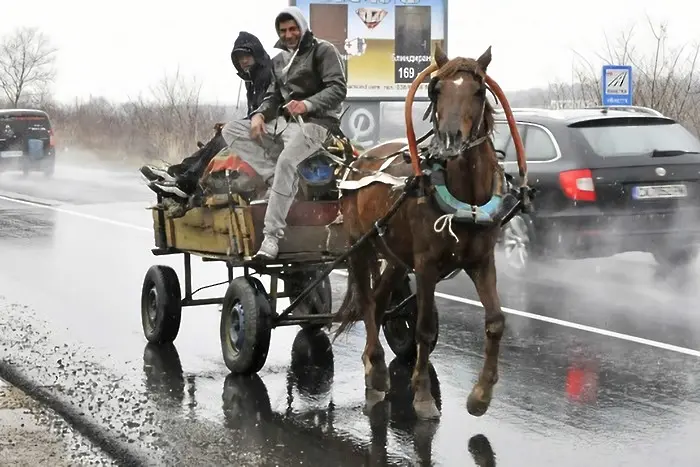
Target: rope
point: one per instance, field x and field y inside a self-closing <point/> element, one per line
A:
<point x="445" y="221"/>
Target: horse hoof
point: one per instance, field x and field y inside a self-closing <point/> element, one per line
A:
<point x="426" y="410"/>
<point x="372" y="398"/>
<point x="378" y="381"/>
<point x="478" y="403"/>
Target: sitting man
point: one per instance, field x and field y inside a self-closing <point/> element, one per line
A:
<point x="254" y="67"/>
<point x="309" y="83"/>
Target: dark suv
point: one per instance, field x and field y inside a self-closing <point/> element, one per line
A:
<point x="608" y="180"/>
<point x="26" y="141"/>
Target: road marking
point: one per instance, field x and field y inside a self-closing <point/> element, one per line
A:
<point x="454" y="298"/>
<point x="569" y="324"/>
<point x="76" y="213"/>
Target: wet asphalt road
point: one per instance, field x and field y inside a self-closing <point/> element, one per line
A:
<point x="70" y="331"/>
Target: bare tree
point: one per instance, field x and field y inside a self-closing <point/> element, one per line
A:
<point x="665" y="78"/>
<point x="26" y="64"/>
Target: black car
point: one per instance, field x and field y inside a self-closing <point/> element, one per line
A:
<point x="26" y="141"/>
<point x="608" y="181"/>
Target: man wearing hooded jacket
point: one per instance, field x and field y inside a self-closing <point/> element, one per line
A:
<point x="309" y="83"/>
<point x="254" y="67"/>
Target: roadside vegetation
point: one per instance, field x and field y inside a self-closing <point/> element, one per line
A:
<point x="665" y="76"/>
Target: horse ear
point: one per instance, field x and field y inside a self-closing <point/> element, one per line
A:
<point x="485" y="59"/>
<point x="440" y="56"/>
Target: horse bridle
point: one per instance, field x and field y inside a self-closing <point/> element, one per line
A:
<point x="431" y="112"/>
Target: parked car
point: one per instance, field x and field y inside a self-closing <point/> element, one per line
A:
<point x="26" y="141"/>
<point x="608" y="180"/>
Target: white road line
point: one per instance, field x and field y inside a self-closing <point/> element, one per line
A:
<point x="569" y="324"/>
<point x="454" y="298"/>
<point x="76" y="213"/>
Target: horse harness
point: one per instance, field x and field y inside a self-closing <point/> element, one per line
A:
<point x="431" y="112"/>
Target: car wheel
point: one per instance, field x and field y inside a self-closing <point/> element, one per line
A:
<point x="676" y="257"/>
<point x="675" y="265"/>
<point x="517" y="243"/>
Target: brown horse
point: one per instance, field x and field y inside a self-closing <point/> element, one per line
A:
<point x="412" y="240"/>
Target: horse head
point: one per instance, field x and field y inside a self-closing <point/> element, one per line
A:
<point x="462" y="115"/>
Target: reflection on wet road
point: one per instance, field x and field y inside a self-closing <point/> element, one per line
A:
<point x="70" y="324"/>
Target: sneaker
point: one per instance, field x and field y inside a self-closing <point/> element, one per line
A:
<point x="168" y="187"/>
<point x="153" y="173"/>
<point x="269" y="248"/>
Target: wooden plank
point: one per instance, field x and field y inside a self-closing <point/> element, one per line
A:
<point x="211" y="231"/>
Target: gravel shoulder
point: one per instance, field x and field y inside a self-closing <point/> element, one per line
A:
<point x="33" y="435"/>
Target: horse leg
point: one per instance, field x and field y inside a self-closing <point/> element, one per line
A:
<point x="391" y="276"/>
<point x="376" y="372"/>
<point x="484" y="278"/>
<point x="423" y="401"/>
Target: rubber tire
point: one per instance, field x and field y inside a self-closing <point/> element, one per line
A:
<point x="257" y="323"/>
<point x="403" y="342"/>
<point x="681" y="257"/>
<point x="49" y="166"/>
<point x="312" y="364"/>
<point x="321" y="293"/>
<point x="311" y="347"/>
<point x="533" y="249"/>
<point x="26" y="167"/>
<point x="162" y="279"/>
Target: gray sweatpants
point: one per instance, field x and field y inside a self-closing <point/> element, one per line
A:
<point x="276" y="158"/>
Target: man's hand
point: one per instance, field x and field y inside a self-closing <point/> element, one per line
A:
<point x="257" y="126"/>
<point x="296" y="108"/>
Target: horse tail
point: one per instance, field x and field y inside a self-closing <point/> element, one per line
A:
<point x="362" y="271"/>
<point x="348" y="309"/>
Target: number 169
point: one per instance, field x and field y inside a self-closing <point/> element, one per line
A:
<point x="407" y="72"/>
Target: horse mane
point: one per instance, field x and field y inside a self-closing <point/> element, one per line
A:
<point x="468" y="65"/>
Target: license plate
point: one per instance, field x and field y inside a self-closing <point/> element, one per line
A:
<point x="11" y="154"/>
<point x="659" y="191"/>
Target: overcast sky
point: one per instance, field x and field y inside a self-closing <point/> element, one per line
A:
<point x="118" y="49"/>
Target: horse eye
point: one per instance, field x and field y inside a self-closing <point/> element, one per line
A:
<point x="480" y="92"/>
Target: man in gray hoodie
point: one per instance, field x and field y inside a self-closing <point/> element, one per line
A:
<point x="300" y="107"/>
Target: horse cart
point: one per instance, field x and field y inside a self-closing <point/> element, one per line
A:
<point x="228" y="229"/>
<point x="225" y="226"/>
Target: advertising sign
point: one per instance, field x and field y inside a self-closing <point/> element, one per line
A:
<point x="384" y="43"/>
<point x="370" y="121"/>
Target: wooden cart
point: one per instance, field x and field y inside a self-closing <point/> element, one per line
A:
<point x="230" y="232"/>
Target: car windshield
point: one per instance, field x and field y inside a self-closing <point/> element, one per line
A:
<point x="629" y="140"/>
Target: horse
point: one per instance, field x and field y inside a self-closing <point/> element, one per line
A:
<point x="462" y="122"/>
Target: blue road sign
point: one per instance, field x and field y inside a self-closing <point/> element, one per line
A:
<point x="617" y="85"/>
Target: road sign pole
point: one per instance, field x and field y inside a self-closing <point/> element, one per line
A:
<point x="616" y="84"/>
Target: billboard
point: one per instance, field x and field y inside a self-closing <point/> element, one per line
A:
<point x="369" y="121"/>
<point x="384" y="43"/>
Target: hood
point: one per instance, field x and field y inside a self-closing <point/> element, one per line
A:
<point x="248" y="43"/>
<point x="298" y="16"/>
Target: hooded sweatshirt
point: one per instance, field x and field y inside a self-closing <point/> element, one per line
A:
<point x="313" y="73"/>
<point x="258" y="78"/>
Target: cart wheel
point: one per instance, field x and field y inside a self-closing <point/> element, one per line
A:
<point x="400" y="332"/>
<point x="245" y="327"/>
<point x="161" y="305"/>
<point x="318" y="302"/>
<point x="312" y="364"/>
